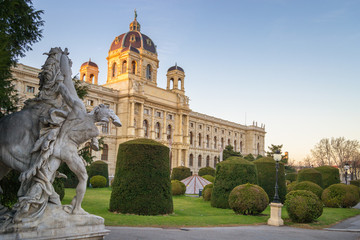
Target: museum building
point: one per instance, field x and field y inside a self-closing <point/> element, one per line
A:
<point x="148" y="111"/>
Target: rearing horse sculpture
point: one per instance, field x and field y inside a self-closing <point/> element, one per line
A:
<point x="45" y="133"/>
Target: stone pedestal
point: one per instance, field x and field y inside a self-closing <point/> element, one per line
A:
<point x="275" y="215"/>
<point x="55" y="223"/>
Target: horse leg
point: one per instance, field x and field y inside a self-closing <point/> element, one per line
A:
<point x="77" y="166"/>
<point x="3" y="171"/>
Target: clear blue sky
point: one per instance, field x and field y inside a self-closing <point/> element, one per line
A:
<point x="292" y="65"/>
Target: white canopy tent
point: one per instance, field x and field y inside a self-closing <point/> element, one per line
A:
<point x="194" y="184"/>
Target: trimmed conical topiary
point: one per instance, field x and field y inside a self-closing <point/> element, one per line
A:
<point x="330" y="175"/>
<point x="142" y="180"/>
<point x="229" y="174"/>
<point x="310" y="174"/>
<point x="267" y="176"/>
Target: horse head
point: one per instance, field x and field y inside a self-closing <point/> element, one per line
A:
<point x="103" y="113"/>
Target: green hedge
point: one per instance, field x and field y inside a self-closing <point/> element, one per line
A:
<point x="142" y="184"/>
<point x="207" y="194"/>
<point x="248" y="199"/>
<point x="206" y="171"/>
<point x="98" y="181"/>
<point x="177" y="187"/>
<point x="310" y="174"/>
<point x="303" y="206"/>
<point x="10" y="185"/>
<point x="291" y="176"/>
<point x="267" y="176"/>
<point x="229" y="174"/>
<point x="209" y="178"/>
<point x="180" y="173"/>
<point x="98" y="168"/>
<point x="59" y="188"/>
<point x="71" y="181"/>
<point x="355" y="182"/>
<point x="330" y="175"/>
<point x="309" y="186"/>
<point x="340" y="196"/>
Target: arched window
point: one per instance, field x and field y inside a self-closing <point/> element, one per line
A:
<point x="222" y="143"/>
<point x="124" y="65"/>
<point x="148" y="72"/>
<point x="83" y="77"/>
<point x="215" y="142"/>
<point x="208" y="161"/>
<point x="191" y="138"/>
<point x="207" y="141"/>
<point x="215" y="161"/>
<point x="228" y="141"/>
<point x="171" y="83"/>
<point x="157" y="130"/>
<point x="105" y="151"/>
<point x="199" y="139"/>
<point x="133" y="67"/>
<point x="168" y="131"/>
<point x="191" y="160"/>
<point x="146" y="128"/>
<point x="105" y="128"/>
<point x="241" y="146"/>
<point x="92" y="78"/>
<point x="199" y="161"/>
<point x="235" y="146"/>
<point x="179" y="84"/>
<point x="114" y="70"/>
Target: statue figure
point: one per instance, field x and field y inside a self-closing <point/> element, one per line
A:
<point x="46" y="132"/>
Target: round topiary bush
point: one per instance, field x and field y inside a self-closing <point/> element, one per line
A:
<point x="291" y="186"/>
<point x="229" y="174"/>
<point x="180" y="173"/>
<point x="340" y="196"/>
<point x="309" y="186"/>
<point x="98" y="181"/>
<point x="211" y="185"/>
<point x="248" y="199"/>
<point x="330" y="175"/>
<point x="303" y="206"/>
<point x="291" y="177"/>
<point x="142" y="184"/>
<point x="267" y="176"/>
<point x="206" y="171"/>
<point x="207" y="194"/>
<point x="355" y="182"/>
<point x="310" y="174"/>
<point x="177" y="187"/>
<point x="209" y="178"/>
<point x="99" y="168"/>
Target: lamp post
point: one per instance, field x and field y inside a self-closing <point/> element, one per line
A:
<point x="275" y="206"/>
<point x="346" y="167"/>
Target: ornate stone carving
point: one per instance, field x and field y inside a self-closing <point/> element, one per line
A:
<point x="46" y="132"/>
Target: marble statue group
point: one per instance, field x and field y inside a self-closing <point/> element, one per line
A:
<point x="45" y="133"/>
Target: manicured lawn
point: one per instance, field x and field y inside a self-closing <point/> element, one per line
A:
<point x="193" y="211"/>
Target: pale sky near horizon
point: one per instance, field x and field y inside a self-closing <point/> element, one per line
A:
<point x="292" y="65"/>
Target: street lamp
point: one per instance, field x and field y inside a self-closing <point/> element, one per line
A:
<point x="346" y="167"/>
<point x="277" y="158"/>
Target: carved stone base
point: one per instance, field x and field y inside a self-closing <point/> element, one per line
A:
<point x="55" y="223"/>
<point x="275" y="215"/>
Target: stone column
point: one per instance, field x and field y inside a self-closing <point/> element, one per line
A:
<point x="131" y="128"/>
<point x="164" y="135"/>
<point x="141" y="127"/>
<point x="152" y="132"/>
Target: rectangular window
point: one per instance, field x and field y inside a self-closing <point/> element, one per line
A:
<point x="158" y="114"/>
<point x="146" y="111"/>
<point x="200" y="127"/>
<point x="30" y="89"/>
<point x="192" y="125"/>
<point x="90" y="102"/>
<point x="170" y="116"/>
<point x="107" y="105"/>
<point x="215" y="129"/>
<point x="105" y="128"/>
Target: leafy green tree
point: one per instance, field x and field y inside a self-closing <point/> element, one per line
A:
<point x="229" y="152"/>
<point x="274" y="149"/>
<point x="249" y="157"/>
<point x="20" y="27"/>
<point x="81" y="89"/>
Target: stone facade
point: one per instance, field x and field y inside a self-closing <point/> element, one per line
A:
<point x="147" y="110"/>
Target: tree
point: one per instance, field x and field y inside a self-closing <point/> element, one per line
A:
<point x="229" y="151"/>
<point x="19" y="29"/>
<point x="323" y="152"/>
<point x="274" y="149"/>
<point x="81" y="89"/>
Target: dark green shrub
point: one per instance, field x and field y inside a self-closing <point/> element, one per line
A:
<point x="209" y="178"/>
<point x="211" y="185"/>
<point x="248" y="199"/>
<point x="98" y="168"/>
<point x="291" y="177"/>
<point x="206" y="171"/>
<point x="355" y="182"/>
<point x="310" y="174"/>
<point x="309" y="186"/>
<point x="340" y="196"/>
<point x="180" y="173"/>
<point x="207" y="194"/>
<point x="59" y="188"/>
<point x="10" y="185"/>
<point x="267" y="176"/>
<point x="177" y="187"/>
<point x="71" y="181"/>
<point x="303" y="206"/>
<point x="330" y="175"/>
<point x="98" y="181"/>
<point x="290" y="187"/>
<point x="249" y="157"/>
<point x="229" y="174"/>
<point x="142" y="184"/>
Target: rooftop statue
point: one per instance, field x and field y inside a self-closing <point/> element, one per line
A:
<point x="46" y="132"/>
